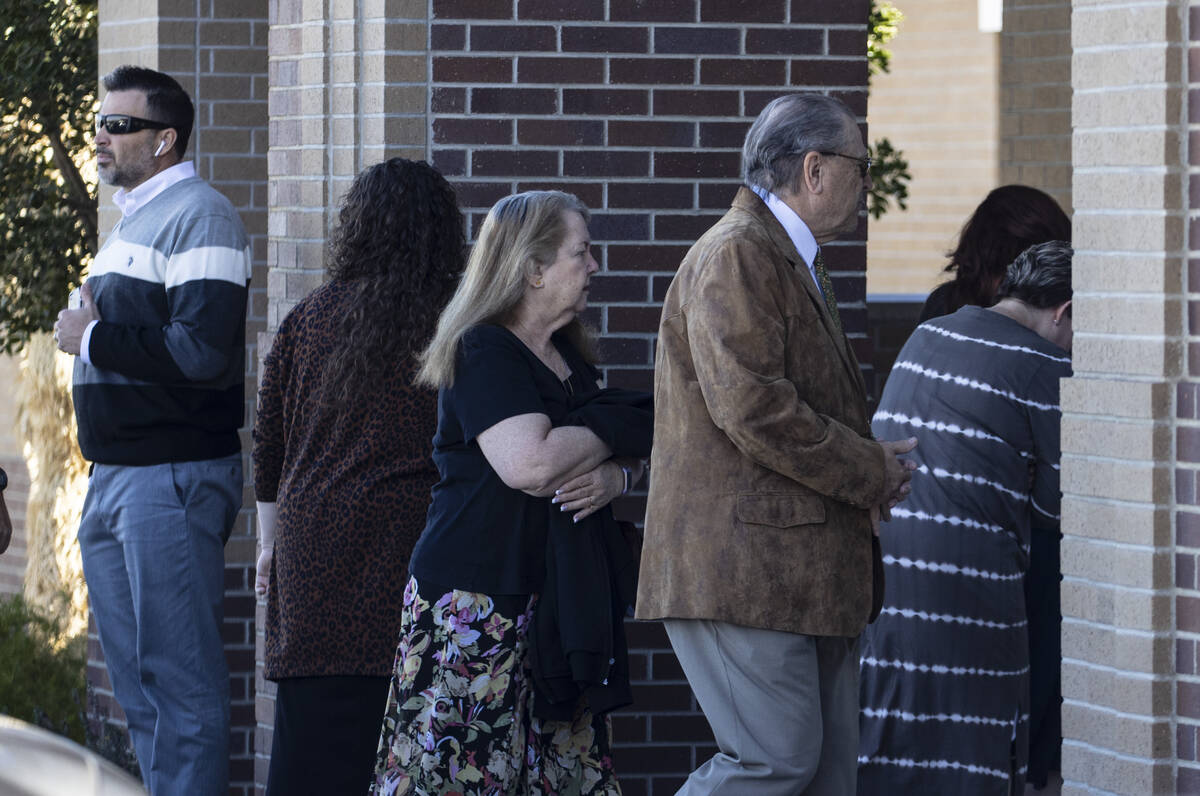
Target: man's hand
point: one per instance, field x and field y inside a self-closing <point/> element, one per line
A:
<point x="897" y="474"/>
<point x="69" y="328"/>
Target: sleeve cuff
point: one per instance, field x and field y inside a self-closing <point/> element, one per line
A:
<point x="85" y="341"/>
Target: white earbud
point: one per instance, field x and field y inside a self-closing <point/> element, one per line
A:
<point x="158" y="151"/>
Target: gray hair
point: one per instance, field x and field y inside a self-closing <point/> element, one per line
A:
<point x="790" y="127"/>
<point x="1040" y="276"/>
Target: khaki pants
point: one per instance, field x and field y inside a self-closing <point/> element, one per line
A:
<point x="783" y="708"/>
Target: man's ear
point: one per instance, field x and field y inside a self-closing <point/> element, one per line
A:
<point x="166" y="143"/>
<point x="812" y="174"/>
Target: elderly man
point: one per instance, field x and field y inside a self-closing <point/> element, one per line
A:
<point x="158" y="388"/>
<point x="766" y="484"/>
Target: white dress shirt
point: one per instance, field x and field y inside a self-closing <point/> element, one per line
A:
<point x="802" y="238"/>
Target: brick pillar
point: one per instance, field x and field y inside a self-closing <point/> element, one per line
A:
<point x="216" y="49"/>
<point x="1035" y="96"/>
<point x="347" y="90"/>
<point x="1122" y="424"/>
<point x="1187" y="442"/>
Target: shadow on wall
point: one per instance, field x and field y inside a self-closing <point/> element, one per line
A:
<point x="890" y="321"/>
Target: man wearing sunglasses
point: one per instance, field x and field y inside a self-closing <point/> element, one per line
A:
<point x="159" y="335"/>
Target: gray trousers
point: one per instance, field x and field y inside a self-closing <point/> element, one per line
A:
<point x="783" y="708"/>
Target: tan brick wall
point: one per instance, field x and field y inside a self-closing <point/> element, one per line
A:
<point x="948" y="130"/>
<point x="1035" y="97"/>
<point x="1120" y="434"/>
<point x="347" y="90"/>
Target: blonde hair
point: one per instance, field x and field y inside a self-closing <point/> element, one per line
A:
<point x="521" y="233"/>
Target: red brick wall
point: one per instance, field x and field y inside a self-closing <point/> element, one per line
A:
<point x="640" y="109"/>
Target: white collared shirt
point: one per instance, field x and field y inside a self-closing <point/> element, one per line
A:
<point x="129" y="203"/>
<point x="802" y="238"/>
<point x="134" y="199"/>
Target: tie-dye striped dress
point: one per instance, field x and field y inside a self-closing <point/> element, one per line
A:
<point x="945" y="668"/>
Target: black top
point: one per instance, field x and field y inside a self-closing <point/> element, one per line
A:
<point x="481" y="535"/>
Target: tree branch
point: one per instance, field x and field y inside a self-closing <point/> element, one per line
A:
<point x="75" y="183"/>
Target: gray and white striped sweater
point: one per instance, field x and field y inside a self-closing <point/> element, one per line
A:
<point x="168" y="357"/>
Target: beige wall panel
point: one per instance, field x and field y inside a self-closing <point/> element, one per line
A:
<point x="1103" y="603"/>
<point x="1102" y="436"/>
<point x="1115" y="479"/>
<point x="1126" y="735"/>
<point x="1131" y="523"/>
<point x="1119" y="23"/>
<point x="1138" y="567"/>
<point x="1110" y="774"/>
<point x="1141" y="357"/>
<point x="1126" y="692"/>
<point x="948" y="131"/>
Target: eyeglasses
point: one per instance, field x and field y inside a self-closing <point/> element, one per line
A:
<point x="121" y="123"/>
<point x="864" y="164"/>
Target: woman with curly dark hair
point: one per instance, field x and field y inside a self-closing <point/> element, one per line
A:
<point x="343" y="471"/>
<point x="1008" y="221"/>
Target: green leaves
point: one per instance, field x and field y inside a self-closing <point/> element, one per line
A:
<point x="889" y="178"/>
<point x="889" y="171"/>
<point x="48" y="226"/>
<point x="882" y="26"/>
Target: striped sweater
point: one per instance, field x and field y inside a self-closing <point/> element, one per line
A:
<point x="168" y="357"/>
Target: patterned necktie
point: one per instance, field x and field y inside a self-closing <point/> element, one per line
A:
<point x="827" y="288"/>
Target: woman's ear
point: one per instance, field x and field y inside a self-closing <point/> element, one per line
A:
<point x="536" y="278"/>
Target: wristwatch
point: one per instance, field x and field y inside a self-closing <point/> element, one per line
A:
<point x="628" y="479"/>
<point x="4" y="479"/>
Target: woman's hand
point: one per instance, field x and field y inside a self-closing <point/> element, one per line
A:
<point x="588" y="493"/>
<point x="262" y="571"/>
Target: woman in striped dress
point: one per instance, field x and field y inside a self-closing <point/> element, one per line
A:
<point x="945" y="668"/>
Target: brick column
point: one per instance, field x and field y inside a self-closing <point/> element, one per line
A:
<point x="217" y="51"/>
<point x="1120" y="408"/>
<point x="347" y="90"/>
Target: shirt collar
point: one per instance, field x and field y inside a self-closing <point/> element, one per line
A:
<point x="131" y="201"/>
<point x="802" y="238"/>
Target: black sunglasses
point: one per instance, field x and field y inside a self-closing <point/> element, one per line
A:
<point x="864" y="164"/>
<point x="122" y="123"/>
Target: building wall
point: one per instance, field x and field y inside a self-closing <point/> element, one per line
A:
<point x="1128" y="468"/>
<point x="940" y="105"/>
<point x="217" y="49"/>
<point x="1035" y="96"/>
<point x="638" y="108"/>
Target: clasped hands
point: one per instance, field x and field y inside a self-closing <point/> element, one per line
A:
<point x="897" y="479"/>
<point x="588" y="493"/>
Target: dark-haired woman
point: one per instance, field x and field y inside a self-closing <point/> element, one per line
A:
<point x="944" y="685"/>
<point x="342" y="471"/>
<point x="1008" y="221"/>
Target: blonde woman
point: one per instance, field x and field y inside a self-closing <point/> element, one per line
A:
<point x="511" y="362"/>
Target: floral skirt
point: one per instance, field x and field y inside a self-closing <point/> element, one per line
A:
<point x="459" y="717"/>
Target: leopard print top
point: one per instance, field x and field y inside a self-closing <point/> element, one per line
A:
<point x="351" y="497"/>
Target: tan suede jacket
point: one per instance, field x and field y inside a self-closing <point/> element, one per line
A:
<point x="763" y="468"/>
